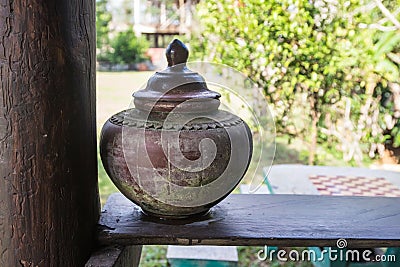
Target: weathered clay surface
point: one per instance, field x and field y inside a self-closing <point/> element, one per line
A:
<point x="142" y="178"/>
<point x="175" y="154"/>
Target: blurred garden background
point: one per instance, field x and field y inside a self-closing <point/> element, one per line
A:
<point x="329" y="70"/>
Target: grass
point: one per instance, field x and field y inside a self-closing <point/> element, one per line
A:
<point x="114" y="93"/>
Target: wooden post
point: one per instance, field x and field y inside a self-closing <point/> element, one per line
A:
<point x="48" y="171"/>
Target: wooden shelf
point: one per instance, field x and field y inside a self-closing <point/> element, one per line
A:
<point x="258" y="220"/>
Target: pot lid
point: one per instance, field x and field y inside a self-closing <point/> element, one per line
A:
<point x="176" y="85"/>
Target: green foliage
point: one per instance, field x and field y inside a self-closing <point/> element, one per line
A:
<point x="309" y="57"/>
<point x="396" y="133"/>
<point x="154" y="256"/>
<point x="126" y="48"/>
<point x="103" y="19"/>
<point x="248" y="258"/>
<point x="275" y="42"/>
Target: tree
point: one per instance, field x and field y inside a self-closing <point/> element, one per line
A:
<point x="127" y="12"/>
<point x="309" y="56"/>
<point x="289" y="48"/>
<point x="375" y="98"/>
<point x="126" y="48"/>
<point x="103" y="19"/>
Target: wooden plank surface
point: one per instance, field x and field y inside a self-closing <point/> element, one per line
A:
<point x="275" y="220"/>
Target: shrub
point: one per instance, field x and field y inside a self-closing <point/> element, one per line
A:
<point x="310" y="57"/>
<point x="127" y="48"/>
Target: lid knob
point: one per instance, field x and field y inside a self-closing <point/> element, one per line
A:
<point x="177" y="53"/>
<point x="177" y="87"/>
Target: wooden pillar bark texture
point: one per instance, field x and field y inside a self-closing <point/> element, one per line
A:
<point x="48" y="171"/>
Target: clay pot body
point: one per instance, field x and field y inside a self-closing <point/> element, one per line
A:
<point x="175" y="164"/>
